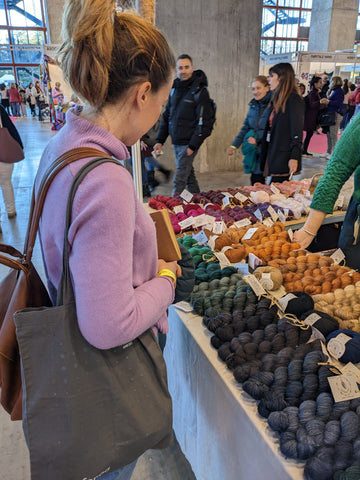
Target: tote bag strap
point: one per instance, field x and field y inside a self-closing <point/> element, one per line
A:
<point x="37" y="206"/>
<point x="65" y="290"/>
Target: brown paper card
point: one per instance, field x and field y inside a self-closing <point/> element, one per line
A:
<point x="168" y="247"/>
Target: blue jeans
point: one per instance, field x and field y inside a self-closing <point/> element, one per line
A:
<point x="123" y="473"/>
<point x="346" y="239"/>
<point x="184" y="174"/>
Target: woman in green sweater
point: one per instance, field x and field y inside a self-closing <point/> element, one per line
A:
<point x="345" y="160"/>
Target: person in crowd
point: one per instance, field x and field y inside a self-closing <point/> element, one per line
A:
<point x="347" y="92"/>
<point x="6" y="169"/>
<point x="22" y="94"/>
<point x="39" y="98"/>
<point x="344" y="162"/>
<point x="30" y="98"/>
<point x="122" y="67"/>
<point x="57" y="94"/>
<point x="333" y="103"/>
<point x="5" y="97"/>
<point x="15" y="100"/>
<point x="355" y="100"/>
<point x="325" y="85"/>
<point x="282" y="144"/>
<point x="302" y="89"/>
<point x="255" y="120"/>
<point x="187" y="120"/>
<point x="312" y="107"/>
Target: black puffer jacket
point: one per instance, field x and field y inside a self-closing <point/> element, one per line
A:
<point x="181" y="117"/>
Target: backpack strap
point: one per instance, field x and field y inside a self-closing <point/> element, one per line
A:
<point x="37" y="205"/>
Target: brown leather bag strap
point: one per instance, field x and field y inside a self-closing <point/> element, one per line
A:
<point x="37" y="205"/>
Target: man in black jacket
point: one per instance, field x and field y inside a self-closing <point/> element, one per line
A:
<point x="188" y="119"/>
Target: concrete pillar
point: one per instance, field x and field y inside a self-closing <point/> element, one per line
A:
<point x="333" y="25"/>
<point x="223" y="38"/>
<point x="54" y="9"/>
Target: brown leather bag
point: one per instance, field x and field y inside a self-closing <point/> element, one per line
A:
<point x="23" y="287"/>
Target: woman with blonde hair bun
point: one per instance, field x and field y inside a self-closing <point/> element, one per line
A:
<point x="121" y="67"/>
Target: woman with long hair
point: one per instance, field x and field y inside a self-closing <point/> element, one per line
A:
<point x="281" y="154"/>
<point x="122" y="68"/>
<point x="255" y="122"/>
<point x="312" y="107"/>
<point x="333" y="103"/>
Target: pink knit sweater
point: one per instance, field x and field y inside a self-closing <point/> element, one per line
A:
<point x="112" y="242"/>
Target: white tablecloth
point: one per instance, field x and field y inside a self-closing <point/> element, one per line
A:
<point x="215" y="421"/>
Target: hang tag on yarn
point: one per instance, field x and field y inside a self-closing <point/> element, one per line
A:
<point x="254" y="261"/>
<point x="200" y="220"/>
<point x="242" y="198"/>
<point x="266" y="281"/>
<point x="258" y="215"/>
<point x="186" y="195"/>
<point x="343" y="387"/>
<point x="223" y="260"/>
<point x="200" y="237"/>
<point x="339" y="202"/>
<point x="243" y="268"/>
<point x="274" y="189"/>
<point x="286" y="212"/>
<point x="338" y="256"/>
<point x="307" y="193"/>
<point x="210" y="220"/>
<point x="336" y="346"/>
<point x="284" y="301"/>
<point x="311" y="319"/>
<point x="211" y="241"/>
<point x="351" y="369"/>
<point x="242" y="223"/>
<point x="249" y="233"/>
<point x="227" y="194"/>
<point x="268" y="222"/>
<point x="255" y="285"/>
<point x="188" y="222"/>
<point x="273" y="214"/>
<point x="178" y="209"/>
<point x="219" y="227"/>
<point x="226" y="201"/>
<point x="291" y="234"/>
<point x="282" y="217"/>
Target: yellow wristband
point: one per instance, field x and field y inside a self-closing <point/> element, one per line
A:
<point x="167" y="273"/>
<point x="232" y="146"/>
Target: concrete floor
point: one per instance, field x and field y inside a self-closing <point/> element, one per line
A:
<point x="168" y="464"/>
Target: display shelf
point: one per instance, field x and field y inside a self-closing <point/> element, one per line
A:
<point x="331" y="218"/>
<point x="215" y="421"/>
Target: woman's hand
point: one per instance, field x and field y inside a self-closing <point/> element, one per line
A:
<point x="293" y="165"/>
<point x="173" y="266"/>
<point x="302" y="237"/>
<point x="252" y="140"/>
<point x="324" y="101"/>
<point x="230" y="151"/>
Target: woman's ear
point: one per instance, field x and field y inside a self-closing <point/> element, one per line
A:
<point x="142" y="93"/>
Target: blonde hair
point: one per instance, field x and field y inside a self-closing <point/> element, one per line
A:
<point x="287" y="85"/>
<point x="106" y="51"/>
<point x="336" y="82"/>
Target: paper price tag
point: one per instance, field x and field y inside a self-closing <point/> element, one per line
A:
<point x="312" y="318"/>
<point x="200" y="237"/>
<point x="210" y="219"/>
<point x="254" y="261"/>
<point x="266" y="281"/>
<point x="282" y="217"/>
<point x="286" y="212"/>
<point x="178" y="209"/>
<point x="227" y="194"/>
<point x="351" y="369"/>
<point x="343" y="387"/>
<point x="186" y="195"/>
<point x="200" y="220"/>
<point x="307" y="193"/>
<point x="222" y="258"/>
<point x="258" y="215"/>
<point x="336" y="346"/>
<point x="188" y="222"/>
<point x="268" y="222"/>
<point x="249" y="233"/>
<point x="211" y="241"/>
<point x="242" y="223"/>
<point x="283" y="301"/>
<point x="273" y="214"/>
<point x="226" y="201"/>
<point x="274" y="189"/>
<point x="241" y="197"/>
<point x="291" y="234"/>
<point x="338" y="256"/>
<point x="243" y="268"/>
<point x="255" y="285"/>
<point x="218" y="227"/>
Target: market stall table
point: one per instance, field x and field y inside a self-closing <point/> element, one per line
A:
<point x="215" y="421"/>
